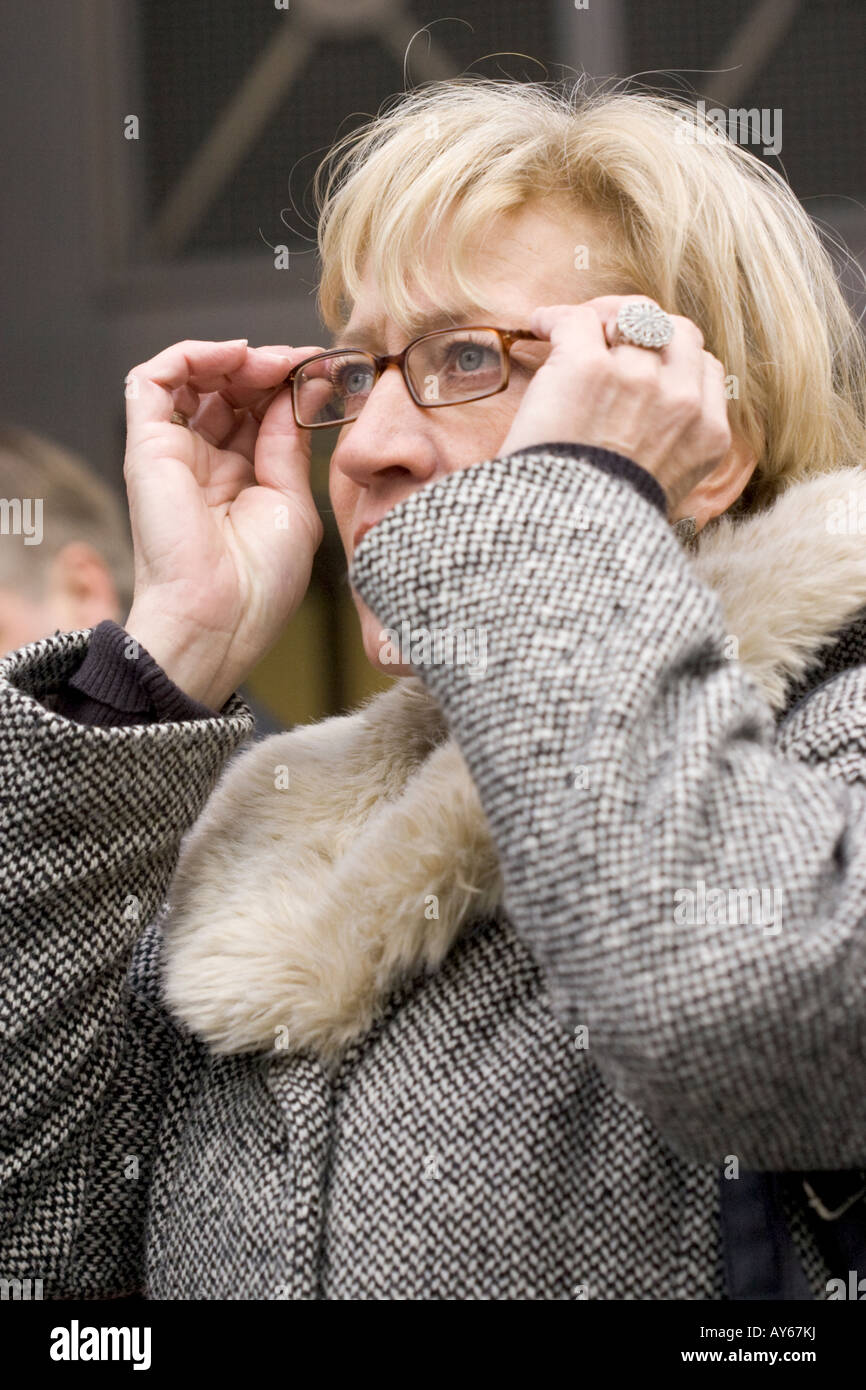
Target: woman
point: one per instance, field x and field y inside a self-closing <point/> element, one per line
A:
<point x="540" y="975"/>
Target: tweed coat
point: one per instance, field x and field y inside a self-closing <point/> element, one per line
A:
<point x="472" y="993"/>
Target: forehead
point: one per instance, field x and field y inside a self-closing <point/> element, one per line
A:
<point x="521" y="260"/>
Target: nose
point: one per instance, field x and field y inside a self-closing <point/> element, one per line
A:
<point x="390" y="433"/>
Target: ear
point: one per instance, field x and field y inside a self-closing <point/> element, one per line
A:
<point x="721" y="488"/>
<point x="80" y="586"/>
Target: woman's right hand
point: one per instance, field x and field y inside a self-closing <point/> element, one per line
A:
<point x="222" y="515"/>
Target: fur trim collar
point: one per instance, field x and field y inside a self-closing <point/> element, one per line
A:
<point x="338" y="859"/>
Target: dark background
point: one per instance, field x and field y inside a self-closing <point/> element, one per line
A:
<point x="113" y="248"/>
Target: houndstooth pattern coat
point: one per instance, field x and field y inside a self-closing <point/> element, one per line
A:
<point x="425" y="1002"/>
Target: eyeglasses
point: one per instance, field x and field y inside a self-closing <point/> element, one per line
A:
<point x="448" y="367"/>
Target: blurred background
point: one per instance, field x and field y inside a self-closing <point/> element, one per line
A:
<point x="157" y="163"/>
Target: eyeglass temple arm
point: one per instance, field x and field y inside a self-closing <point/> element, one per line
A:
<point x="510" y="336"/>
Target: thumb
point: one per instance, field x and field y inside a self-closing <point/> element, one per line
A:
<point x="283" y="449"/>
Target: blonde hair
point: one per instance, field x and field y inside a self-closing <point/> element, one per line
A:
<point x="76" y="506"/>
<point x="699" y="224"/>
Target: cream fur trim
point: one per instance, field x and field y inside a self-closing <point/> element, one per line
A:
<point x="335" y="860"/>
<point x="787" y="583"/>
<point x="296" y="908"/>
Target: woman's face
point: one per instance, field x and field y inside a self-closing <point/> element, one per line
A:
<point x="394" y="446"/>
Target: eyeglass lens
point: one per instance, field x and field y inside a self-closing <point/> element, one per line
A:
<point x="443" y="369"/>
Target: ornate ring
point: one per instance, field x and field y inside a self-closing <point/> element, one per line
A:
<point x="645" y="325"/>
<point x="178" y="418"/>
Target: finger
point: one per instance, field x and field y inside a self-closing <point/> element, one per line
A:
<point x="683" y="356"/>
<point x="259" y="409"/>
<point x="602" y="304"/>
<point x="187" y="400"/>
<point x="282" y="457"/>
<point x="244" y="439"/>
<point x="607" y="306"/>
<point x="240" y="394"/>
<point x="284" y="350"/>
<point x="684" y="328"/>
<point x="215" y="418"/>
<point x="715" y="400"/>
<point x="642" y="365"/>
<point x="150" y="387"/>
<point x="204" y="367"/>
<point x="608" y="309"/>
<point x="220" y="414"/>
<point x="712" y="364"/>
<point x="575" y="324"/>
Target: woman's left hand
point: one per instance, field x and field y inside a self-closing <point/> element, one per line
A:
<point x="664" y="409"/>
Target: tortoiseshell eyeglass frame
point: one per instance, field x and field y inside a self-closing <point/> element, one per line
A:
<point x="507" y="336"/>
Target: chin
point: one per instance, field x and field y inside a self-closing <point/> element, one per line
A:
<point x="375" y="643"/>
<point x="388" y="668"/>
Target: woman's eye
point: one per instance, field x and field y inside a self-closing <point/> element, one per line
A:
<point x="352" y="380"/>
<point x="471" y="357"/>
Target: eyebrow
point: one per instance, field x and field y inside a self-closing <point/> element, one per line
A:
<point x="368" y="336"/>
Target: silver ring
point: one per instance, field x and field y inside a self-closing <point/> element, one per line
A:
<point x="645" y="325"/>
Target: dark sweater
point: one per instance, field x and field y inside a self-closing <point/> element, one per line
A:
<point x="118" y="683"/>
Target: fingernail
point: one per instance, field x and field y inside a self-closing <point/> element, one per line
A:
<point x="234" y="342"/>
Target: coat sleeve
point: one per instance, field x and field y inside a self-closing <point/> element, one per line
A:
<point x="641" y="799"/>
<point x="92" y="820"/>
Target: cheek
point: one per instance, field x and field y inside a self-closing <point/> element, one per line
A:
<point x="485" y="431"/>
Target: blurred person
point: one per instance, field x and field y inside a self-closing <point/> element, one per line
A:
<point x="448" y="998"/>
<point x="66" y="559"/>
<point x="75" y="567"/>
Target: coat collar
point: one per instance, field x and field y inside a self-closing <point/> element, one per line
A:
<point x="335" y="860"/>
